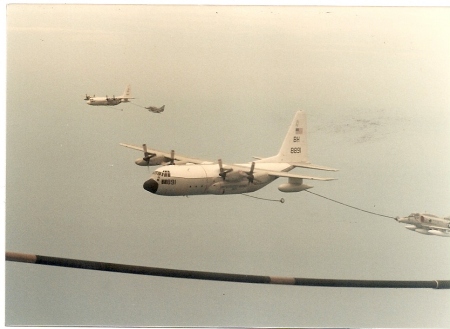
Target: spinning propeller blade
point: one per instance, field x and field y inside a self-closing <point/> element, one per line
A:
<point x="172" y="157"/>
<point x="147" y="155"/>
<point x="223" y="172"/>
<point x="250" y="175"/>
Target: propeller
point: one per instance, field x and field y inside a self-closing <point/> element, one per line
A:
<point x="147" y="155"/>
<point x="223" y="172"/>
<point x="172" y="157"/>
<point x="86" y="98"/>
<point x="250" y="175"/>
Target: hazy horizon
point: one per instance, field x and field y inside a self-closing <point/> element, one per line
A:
<point x="374" y="83"/>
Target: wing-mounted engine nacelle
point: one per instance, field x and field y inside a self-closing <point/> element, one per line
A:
<point x="294" y="185"/>
<point x="234" y="176"/>
<point x="229" y="174"/>
<point x="152" y="161"/>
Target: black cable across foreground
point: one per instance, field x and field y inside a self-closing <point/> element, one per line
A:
<point x="347" y="205"/>
<point x="215" y="276"/>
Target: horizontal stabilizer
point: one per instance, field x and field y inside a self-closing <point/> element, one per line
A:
<point x="311" y="166"/>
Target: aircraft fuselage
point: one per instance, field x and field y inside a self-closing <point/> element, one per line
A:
<point x="156" y="109"/>
<point x="109" y="101"/>
<point x="104" y="101"/>
<point x="427" y="224"/>
<point x="202" y="179"/>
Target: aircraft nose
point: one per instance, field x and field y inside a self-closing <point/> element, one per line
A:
<point x="151" y="185"/>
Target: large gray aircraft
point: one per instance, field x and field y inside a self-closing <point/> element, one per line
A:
<point x="427" y="224"/>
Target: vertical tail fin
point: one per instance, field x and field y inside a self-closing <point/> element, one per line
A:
<point x="294" y="148"/>
<point x="126" y="94"/>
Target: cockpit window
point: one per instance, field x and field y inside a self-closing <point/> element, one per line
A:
<point x="164" y="173"/>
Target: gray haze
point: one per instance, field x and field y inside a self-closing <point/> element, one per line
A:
<point x="375" y="85"/>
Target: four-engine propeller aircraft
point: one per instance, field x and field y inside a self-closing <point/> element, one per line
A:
<point x="155" y="109"/>
<point x="109" y="101"/>
<point x="181" y="175"/>
<point x="427" y="224"/>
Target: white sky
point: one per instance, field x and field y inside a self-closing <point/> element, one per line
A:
<point x="374" y="83"/>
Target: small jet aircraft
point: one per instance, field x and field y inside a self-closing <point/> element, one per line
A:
<point x="155" y="109"/>
<point x="427" y="224"/>
<point x="109" y="101"/>
<point x="181" y="176"/>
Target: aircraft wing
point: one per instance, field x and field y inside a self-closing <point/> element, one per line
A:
<point x="178" y="158"/>
<point x="311" y="166"/>
<point x="304" y="165"/>
<point x="433" y="227"/>
<point x="274" y="173"/>
<point x="138" y="148"/>
<point x="436" y="230"/>
<point x="289" y="175"/>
